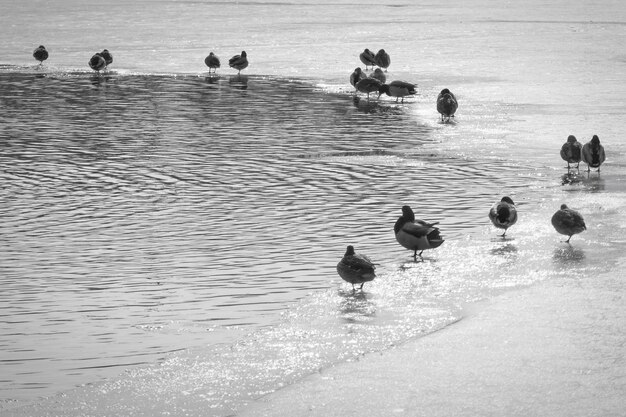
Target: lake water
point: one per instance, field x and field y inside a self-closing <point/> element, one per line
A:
<point x="169" y="238"/>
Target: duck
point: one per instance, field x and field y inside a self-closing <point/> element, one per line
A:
<point x="239" y="62"/>
<point x="212" y="61"/>
<point x="355" y="268"/>
<point x="568" y="222"/>
<point x="368" y="86"/>
<point x="571" y="151"/>
<point x="416" y="234"/>
<point x="108" y="57"/>
<point x="379" y="75"/>
<point x="40" y="54"/>
<point x="397" y="89"/>
<point x="356" y="76"/>
<point x="368" y="58"/>
<point x="446" y="104"/>
<point x="593" y="153"/>
<point x="97" y="62"/>
<point x="503" y="214"/>
<point x="382" y="59"/>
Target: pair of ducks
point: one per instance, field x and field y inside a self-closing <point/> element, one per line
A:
<point x="101" y="60"/>
<point x="237" y="62"/>
<point x="375" y="83"/>
<point x="381" y="59"/>
<point x="592" y="153"/>
<point x="415" y="234"/>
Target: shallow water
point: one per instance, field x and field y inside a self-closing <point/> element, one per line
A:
<point x="192" y="224"/>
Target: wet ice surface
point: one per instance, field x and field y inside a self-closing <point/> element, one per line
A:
<point x="144" y="214"/>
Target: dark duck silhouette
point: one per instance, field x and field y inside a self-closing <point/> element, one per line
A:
<point x="446" y="104"/>
<point x="368" y="86"/>
<point x="212" y="61"/>
<point x="355" y="268"/>
<point x="368" y="58"/>
<point x="239" y="62"/>
<point x="503" y="214"/>
<point x="108" y="57"/>
<point x="416" y="234"/>
<point x="571" y="151"/>
<point x="593" y="153"/>
<point x="356" y="76"/>
<point x="97" y="62"/>
<point x="40" y="54"/>
<point x="568" y="222"/>
<point x="397" y="89"/>
<point x="382" y="59"/>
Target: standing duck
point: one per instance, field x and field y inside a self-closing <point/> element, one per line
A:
<point x="416" y="234"/>
<point x="97" y="62"/>
<point x="503" y="214"/>
<point x="446" y="104"/>
<point x="571" y="151"/>
<point x="239" y="62"/>
<point x="568" y="222"/>
<point x="368" y="86"/>
<point x="382" y="59"/>
<point x="379" y="75"/>
<point x="212" y="61"/>
<point x="593" y="153"/>
<point x="356" y="76"/>
<point x="108" y="57"/>
<point x="355" y="268"/>
<point x="368" y="58"/>
<point x="40" y="54"/>
<point x="397" y="89"/>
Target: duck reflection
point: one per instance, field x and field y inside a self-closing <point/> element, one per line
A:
<point x="367" y="106"/>
<point x="356" y="307"/>
<point x="99" y="80"/>
<point x="239" y="82"/>
<point x="507" y="249"/>
<point x="212" y="79"/>
<point x="571" y="178"/>
<point x="567" y="254"/>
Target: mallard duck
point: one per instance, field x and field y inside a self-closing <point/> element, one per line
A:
<point x="239" y="62"/>
<point x="382" y="59"/>
<point x="368" y="58"/>
<point x="397" y="89"/>
<point x="379" y="75"/>
<point x="356" y="76"/>
<point x="355" y="268"/>
<point x="503" y="214"/>
<point x="40" y="54"/>
<point x="568" y="222"/>
<point x="593" y="153"/>
<point x="446" y="104"/>
<point x="571" y="151"/>
<point x="416" y="234"/>
<point x="108" y="58"/>
<point x="368" y="86"/>
<point x="212" y="61"/>
<point x="97" y="62"/>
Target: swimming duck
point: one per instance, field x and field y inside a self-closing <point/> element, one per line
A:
<point x="571" y="151"/>
<point x="212" y="61"/>
<point x="356" y="76"/>
<point x="368" y="58"/>
<point x="446" y="104"/>
<point x="239" y="62"/>
<point x="593" y="153"/>
<point x="40" y="54"/>
<point x="379" y="75"/>
<point x="568" y="222"/>
<point x="382" y="59"/>
<point x="503" y="214"/>
<point x="108" y="58"/>
<point x="397" y="89"/>
<point x="368" y="85"/>
<point x="355" y="268"/>
<point x="416" y="234"/>
<point x="97" y="62"/>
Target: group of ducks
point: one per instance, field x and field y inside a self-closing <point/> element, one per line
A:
<point x="376" y="82"/>
<point x="419" y="235"/>
<point x="592" y="153"/>
<point x="98" y="62"/>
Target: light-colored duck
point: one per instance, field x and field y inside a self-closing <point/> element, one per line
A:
<point x="446" y="104"/>
<point x="239" y="62"/>
<point x="593" y="153"/>
<point x="40" y="54"/>
<point x="416" y="234"/>
<point x="368" y="58"/>
<point x="397" y="89"/>
<point x="382" y="59"/>
<point x="212" y="61"/>
<point x="503" y="214"/>
<point x="355" y="268"/>
<point x="568" y="222"/>
<point x="571" y="151"/>
<point x="368" y="86"/>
